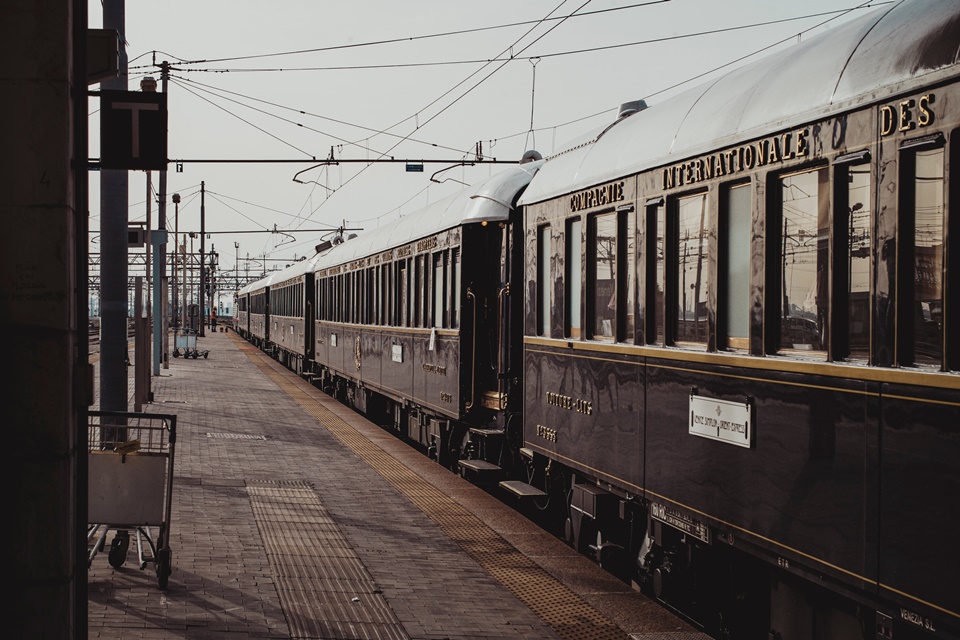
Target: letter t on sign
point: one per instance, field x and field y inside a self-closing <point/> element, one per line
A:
<point x="133" y="130"/>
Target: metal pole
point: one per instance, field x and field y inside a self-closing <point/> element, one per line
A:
<point x="176" y="250"/>
<point x="149" y="85"/>
<point x="203" y="270"/>
<point x="191" y="272"/>
<point x="160" y="344"/>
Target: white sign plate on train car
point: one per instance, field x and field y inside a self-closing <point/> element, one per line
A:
<point x="721" y="420"/>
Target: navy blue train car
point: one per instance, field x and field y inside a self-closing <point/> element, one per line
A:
<point x="740" y="388"/>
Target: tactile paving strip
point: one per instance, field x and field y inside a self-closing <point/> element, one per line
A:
<point x="569" y="616"/>
<point x="324" y="588"/>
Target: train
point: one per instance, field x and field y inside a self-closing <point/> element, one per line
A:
<point x="709" y="342"/>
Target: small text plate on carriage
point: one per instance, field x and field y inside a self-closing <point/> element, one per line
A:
<point x="721" y="420"/>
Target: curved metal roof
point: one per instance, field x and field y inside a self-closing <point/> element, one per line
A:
<point x="488" y="201"/>
<point x="274" y="277"/>
<point x="887" y="52"/>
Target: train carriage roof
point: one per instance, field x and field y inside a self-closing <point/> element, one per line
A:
<point x="276" y="277"/>
<point x="257" y="285"/>
<point x="889" y="51"/>
<point x="488" y="201"/>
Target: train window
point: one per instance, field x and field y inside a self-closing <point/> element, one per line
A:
<point x="603" y="276"/>
<point x="804" y="260"/>
<point x="853" y="221"/>
<point x="351" y="297"/>
<point x="438" y="290"/>
<point x="387" y="304"/>
<point x="375" y="294"/>
<point x="328" y="299"/>
<point x="544" y="281"/>
<point x="368" y="279"/>
<point x="655" y="227"/>
<point x="420" y="286"/>
<point x="735" y="300"/>
<point x="320" y="295"/>
<point x="573" y="278"/>
<point x="411" y="291"/>
<point x="336" y="300"/>
<point x="402" y="298"/>
<point x="927" y="260"/>
<point x="455" y="279"/>
<point x="691" y="269"/>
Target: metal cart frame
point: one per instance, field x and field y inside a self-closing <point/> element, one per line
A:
<point x="185" y="344"/>
<point x="130" y="485"/>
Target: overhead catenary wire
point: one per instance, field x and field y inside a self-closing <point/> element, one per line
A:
<point x="216" y="91"/>
<point x="225" y="110"/>
<point x="412" y="38"/>
<point x="400" y="65"/>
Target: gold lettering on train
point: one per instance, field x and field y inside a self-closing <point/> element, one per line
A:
<point x="925" y="117"/>
<point x="786" y="146"/>
<point x="762" y="152"/>
<point x="426" y="245"/>
<point x="548" y="434"/>
<point x="746" y="157"/>
<point x="597" y="196"/>
<point x="566" y="402"/>
<point x="907" y="115"/>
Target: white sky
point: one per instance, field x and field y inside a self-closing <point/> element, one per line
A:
<point x="206" y="124"/>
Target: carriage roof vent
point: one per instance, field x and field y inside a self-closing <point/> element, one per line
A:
<point x="626" y="109"/>
<point x="631" y="107"/>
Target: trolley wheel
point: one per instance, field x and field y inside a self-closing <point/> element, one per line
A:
<point x="118" y="549"/>
<point x="163" y="567"/>
<point x="205" y="354"/>
<point x="195" y="354"/>
<point x="176" y="353"/>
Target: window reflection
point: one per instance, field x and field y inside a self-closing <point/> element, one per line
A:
<point x="928" y="258"/>
<point x="605" y="280"/>
<point x="858" y="260"/>
<point x="737" y="260"/>
<point x="544" y="281"/>
<point x="804" y="261"/>
<point x="572" y="278"/>
<point x="692" y="269"/>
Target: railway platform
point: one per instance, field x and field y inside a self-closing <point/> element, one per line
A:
<point x="293" y="517"/>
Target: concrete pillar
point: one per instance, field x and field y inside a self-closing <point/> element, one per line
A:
<point x="42" y="301"/>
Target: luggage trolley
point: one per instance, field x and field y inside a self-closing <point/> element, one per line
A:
<point x="130" y="486"/>
<point x="185" y="344"/>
